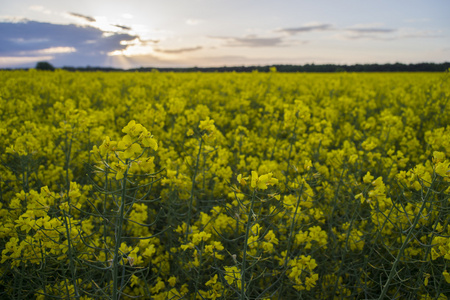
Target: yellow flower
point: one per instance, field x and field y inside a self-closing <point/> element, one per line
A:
<point x="425" y="282"/>
<point x="188" y="246"/>
<point x="242" y="180"/>
<point x="262" y="181"/>
<point x="352" y="158"/>
<point x="120" y="170"/>
<point x="133" y="129"/>
<point x="172" y="281"/>
<point x="254" y="179"/>
<point x="201" y="236"/>
<point x="233" y="275"/>
<point x="148" y="141"/>
<point x="369" y="144"/>
<point x="307" y="165"/>
<point x="149" y="251"/>
<point x="310" y="282"/>
<point x="446" y="276"/>
<point x="442" y="168"/>
<point x="25" y="223"/>
<point x="438" y="157"/>
<point x="212" y="281"/>
<point x="128" y="147"/>
<point x="361" y="197"/>
<point x="252" y="241"/>
<point x="44" y="222"/>
<point x="368" y="178"/>
<point x="158" y="286"/>
<point x="207" y="125"/>
<point x="134" y="280"/>
<point x="107" y="146"/>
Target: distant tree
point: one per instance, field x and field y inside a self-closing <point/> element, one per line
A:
<point x="44" y="66"/>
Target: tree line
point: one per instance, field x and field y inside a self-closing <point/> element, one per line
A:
<point x="397" y="67"/>
<point x="309" y="68"/>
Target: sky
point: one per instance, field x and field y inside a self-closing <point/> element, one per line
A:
<point x="215" y="33"/>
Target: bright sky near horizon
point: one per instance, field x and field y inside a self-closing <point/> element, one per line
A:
<point x="186" y="33"/>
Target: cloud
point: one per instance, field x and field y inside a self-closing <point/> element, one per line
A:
<point x="86" y="18"/>
<point x="15" y="61"/>
<point x="65" y="44"/>
<point x="371" y="30"/>
<point x="40" y="8"/>
<point x="306" y="28"/>
<point x="127" y="16"/>
<point x="122" y="27"/>
<point x="180" y="50"/>
<point x="409" y="33"/>
<point x="250" y="41"/>
<point x="386" y="34"/>
<point x="193" y="21"/>
<point x="51" y="50"/>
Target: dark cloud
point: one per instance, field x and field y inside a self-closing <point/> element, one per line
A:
<point x="181" y="50"/>
<point x="90" y="44"/>
<point x="307" y="28"/>
<point x="122" y="27"/>
<point x="87" y="18"/>
<point x="369" y="33"/>
<point x="251" y="41"/>
<point x="387" y="34"/>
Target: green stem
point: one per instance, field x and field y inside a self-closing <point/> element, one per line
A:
<point x="119" y="227"/>
<point x="68" y="148"/>
<point x="291" y="229"/>
<point x="291" y="233"/>
<point x="198" y="275"/>
<point x="191" y="200"/>
<point x="27" y="183"/>
<point x="247" y="233"/>
<point x="405" y="243"/>
<point x="19" y="289"/>
<point x="105" y="222"/>
<point x="70" y="254"/>
<point x="294" y="135"/>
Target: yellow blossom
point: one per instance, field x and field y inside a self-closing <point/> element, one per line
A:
<point x="263" y="181"/>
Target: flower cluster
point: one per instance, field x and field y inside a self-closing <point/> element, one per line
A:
<point x="224" y="186"/>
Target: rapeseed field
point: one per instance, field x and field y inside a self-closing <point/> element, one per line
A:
<point x="224" y="186"/>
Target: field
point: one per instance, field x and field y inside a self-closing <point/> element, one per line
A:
<point x="224" y="185"/>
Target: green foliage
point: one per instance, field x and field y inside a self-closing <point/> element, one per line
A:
<point x="44" y="66"/>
